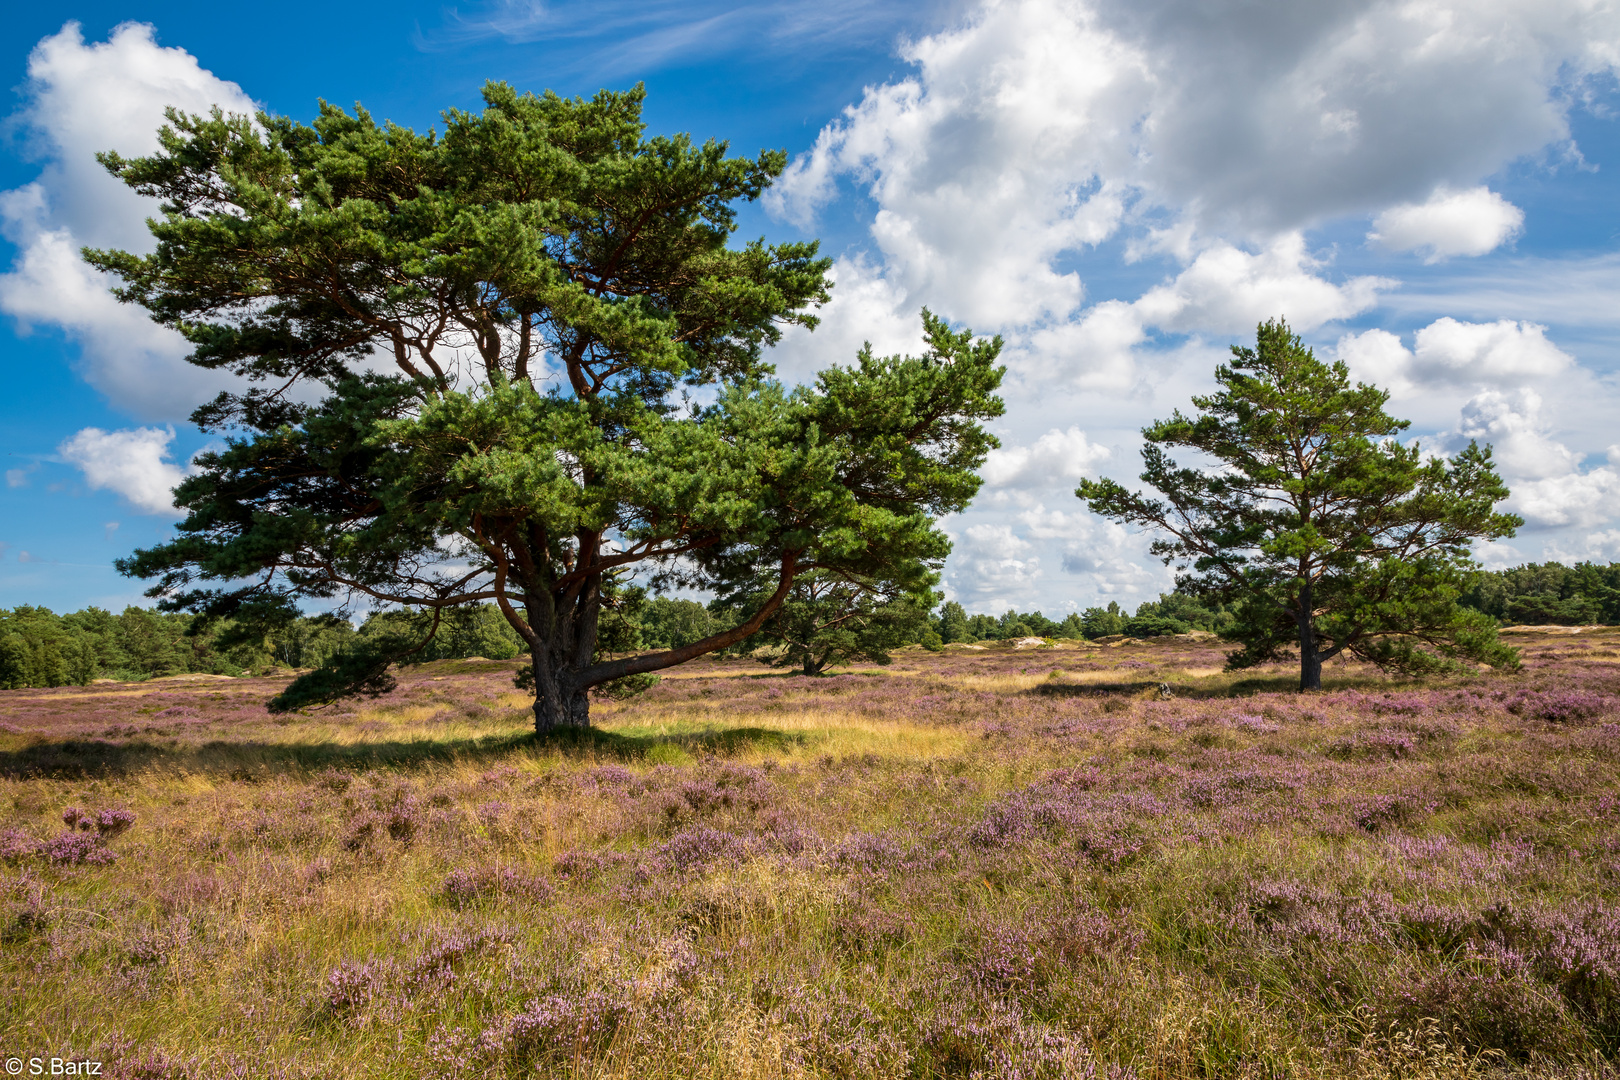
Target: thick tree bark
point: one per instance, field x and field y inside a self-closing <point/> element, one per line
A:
<point x="1310" y="671"/>
<point x="556" y="704"/>
<point x="1310" y="661"/>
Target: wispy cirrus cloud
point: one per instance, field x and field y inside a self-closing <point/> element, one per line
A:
<point x="616" y="36"/>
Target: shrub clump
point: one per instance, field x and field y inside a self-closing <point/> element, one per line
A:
<point x="84" y="842"/>
<point x="463" y="888"/>
<point x="1560" y="706"/>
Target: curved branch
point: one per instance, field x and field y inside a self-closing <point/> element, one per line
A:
<point x="638" y="665"/>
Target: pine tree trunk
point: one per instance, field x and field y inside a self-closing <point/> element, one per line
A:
<point x="1310" y="671"/>
<point x="1310" y="661"/>
<point x="556" y="704"/>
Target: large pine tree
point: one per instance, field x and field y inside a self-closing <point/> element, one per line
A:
<point x="512" y="363"/>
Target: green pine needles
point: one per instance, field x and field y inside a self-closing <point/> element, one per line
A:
<point x="516" y="362"/>
<point x="1318" y="527"/>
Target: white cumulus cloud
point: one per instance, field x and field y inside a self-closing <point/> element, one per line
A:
<point x="1549" y="488"/>
<point x="1037" y="128"/>
<point x="1471" y="222"/>
<point x="133" y="463"/>
<point x="81" y="99"/>
<point x="867" y="306"/>
<point x="1450" y="352"/>
<point x="991" y="566"/>
<point x="1055" y="459"/>
<point x="1228" y="290"/>
<point x="1225" y="291"/>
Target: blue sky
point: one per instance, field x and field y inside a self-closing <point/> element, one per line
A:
<point x="1428" y="190"/>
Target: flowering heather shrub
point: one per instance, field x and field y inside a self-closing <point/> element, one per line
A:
<point x="1485" y="1001"/>
<point x="867" y="853"/>
<point x="1230" y="788"/>
<point x="609" y="777"/>
<point x="1574" y="949"/>
<point x="1111" y="828"/>
<point x="16" y="845"/>
<point x="1562" y="706"/>
<point x="333" y="780"/>
<point x="500" y="776"/>
<point x="1294" y="910"/>
<point x="360" y="833"/>
<point x="465" y="887"/>
<point x="114" y="821"/>
<point x="74" y="848"/>
<point x="965" y="1038"/>
<point x="1386" y="811"/>
<point x="832" y="1031"/>
<point x="695" y="849"/>
<point x="351" y="987"/>
<point x="1374" y="746"/>
<point x="786" y="836"/>
<point x="586" y="864"/>
<point x="558" y="1026"/>
<point x="1007" y="957"/>
<point x="189" y="891"/>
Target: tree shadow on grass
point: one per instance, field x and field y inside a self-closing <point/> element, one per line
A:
<point x="1137" y="689"/>
<point x="628" y="746"/>
<point x="1265" y="684"/>
<point x="250" y="760"/>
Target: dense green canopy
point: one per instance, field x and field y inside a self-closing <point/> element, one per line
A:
<point x="513" y="363"/>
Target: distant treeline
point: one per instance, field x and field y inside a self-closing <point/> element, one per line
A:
<point x="1550" y="594"/>
<point x="41" y="648"/>
<point x="660" y="622"/>
<point x="1171" y="613"/>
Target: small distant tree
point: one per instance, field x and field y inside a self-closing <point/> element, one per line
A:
<point x="832" y="619"/>
<point x="1096" y="622"/>
<point x="953" y="623"/>
<point x="1322" y="529"/>
<point x="472" y="630"/>
<point x="670" y="622"/>
<point x="1151" y="624"/>
<point x="983" y="628"/>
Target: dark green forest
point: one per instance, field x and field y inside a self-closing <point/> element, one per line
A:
<point x="40" y="648"/>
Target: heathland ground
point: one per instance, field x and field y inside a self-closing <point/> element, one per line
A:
<point x="998" y="862"/>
